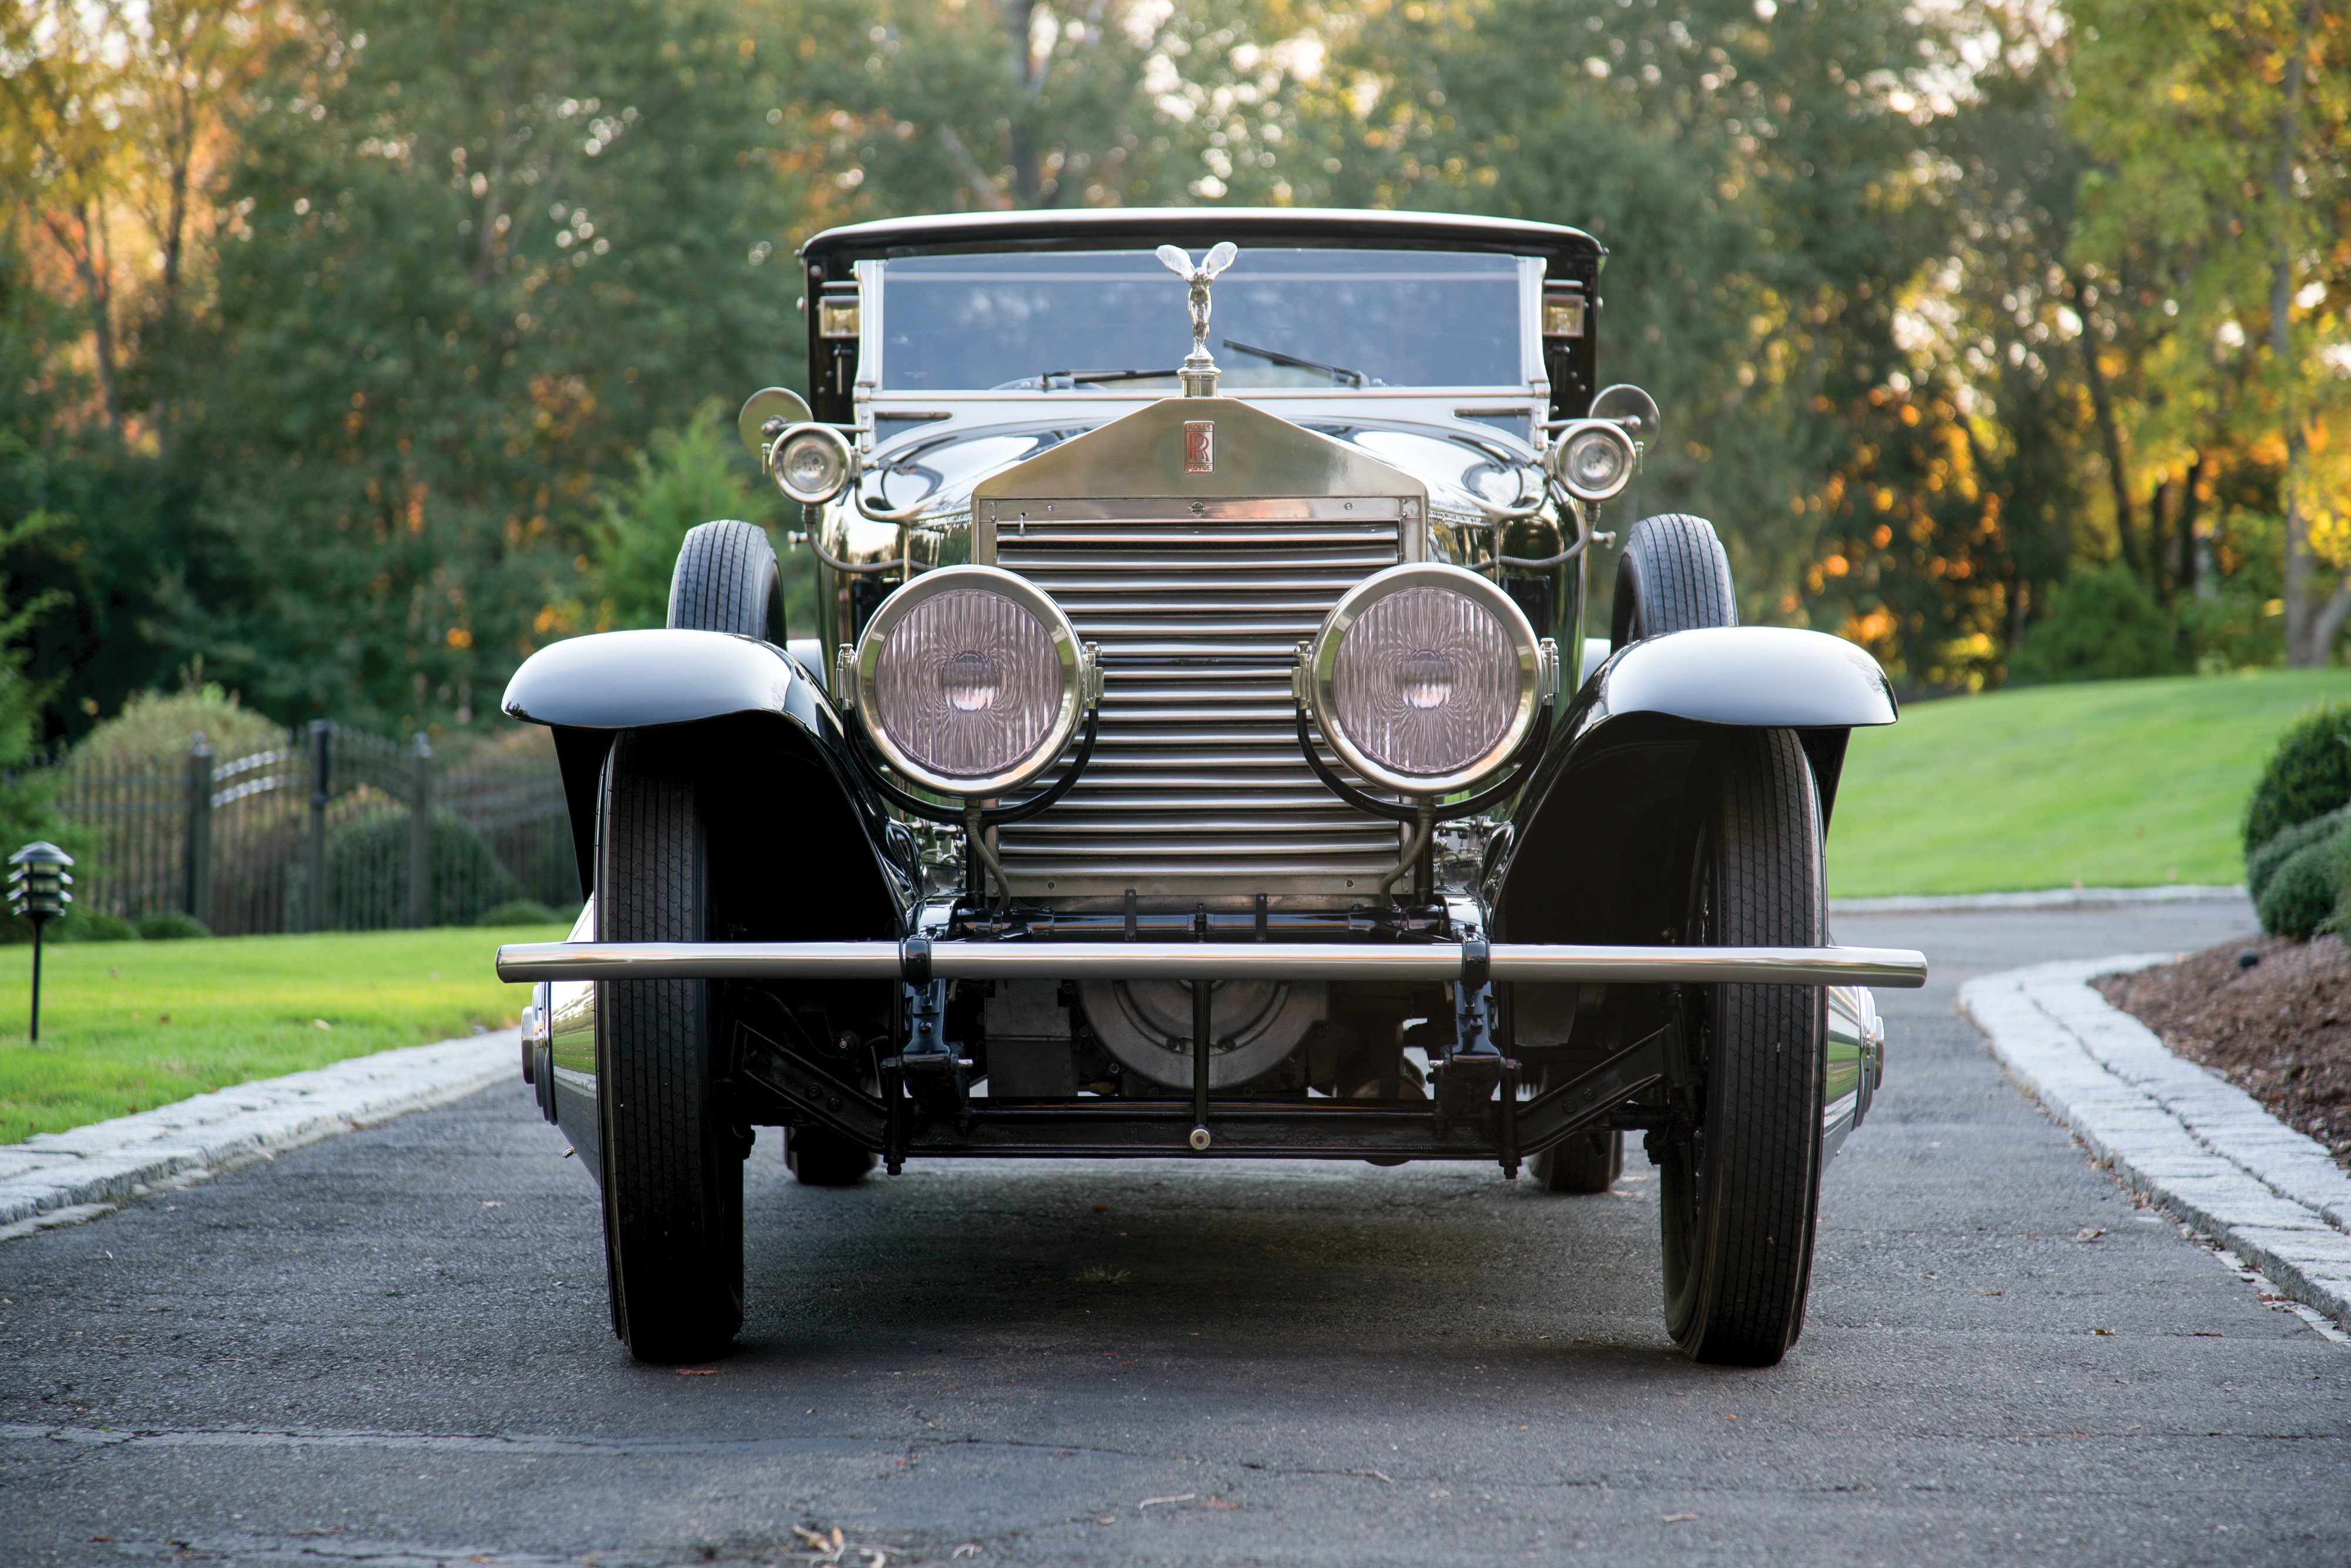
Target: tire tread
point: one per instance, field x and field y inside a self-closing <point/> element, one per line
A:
<point x="1673" y="576"/>
<point x="727" y="580"/>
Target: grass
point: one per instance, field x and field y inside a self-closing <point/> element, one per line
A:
<point x="129" y="1026"/>
<point x="2112" y="784"/>
<point x="2106" y="784"/>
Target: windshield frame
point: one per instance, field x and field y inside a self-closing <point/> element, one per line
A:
<point x="872" y="388"/>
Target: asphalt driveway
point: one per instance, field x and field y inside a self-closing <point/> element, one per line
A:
<point x="393" y="1348"/>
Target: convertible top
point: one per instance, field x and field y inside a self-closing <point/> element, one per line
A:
<point x="1092" y="228"/>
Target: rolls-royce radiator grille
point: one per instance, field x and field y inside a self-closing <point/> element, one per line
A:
<point x="1196" y="785"/>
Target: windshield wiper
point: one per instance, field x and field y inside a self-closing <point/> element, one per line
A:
<point x="1045" y="382"/>
<point x="1338" y="376"/>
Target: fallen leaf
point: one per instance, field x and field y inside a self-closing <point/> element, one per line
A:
<point x="1218" y="1502"/>
<point x="162" y="1018"/>
<point x="2102" y="1330"/>
<point x="1154" y="1501"/>
<point x="2088" y="1233"/>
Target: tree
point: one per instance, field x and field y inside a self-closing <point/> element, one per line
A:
<point x="478" y="256"/>
<point x="2216" y="225"/>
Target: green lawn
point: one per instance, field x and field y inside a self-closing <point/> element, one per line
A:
<point x="2108" y="784"/>
<point x="129" y="1026"/>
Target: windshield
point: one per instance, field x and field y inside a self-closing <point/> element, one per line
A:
<point x="1279" y="318"/>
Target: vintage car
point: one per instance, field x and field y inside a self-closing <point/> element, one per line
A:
<point x="1199" y="756"/>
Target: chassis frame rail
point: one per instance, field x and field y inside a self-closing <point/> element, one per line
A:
<point x="1245" y="1129"/>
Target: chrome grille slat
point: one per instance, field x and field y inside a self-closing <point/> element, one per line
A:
<point x="1196" y="781"/>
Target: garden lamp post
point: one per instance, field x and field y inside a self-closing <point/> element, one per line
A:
<point x="36" y="890"/>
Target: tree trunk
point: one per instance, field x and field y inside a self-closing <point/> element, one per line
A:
<point x="2102" y="405"/>
<point x="2313" y="591"/>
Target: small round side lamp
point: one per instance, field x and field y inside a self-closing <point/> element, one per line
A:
<point x="36" y="890"/>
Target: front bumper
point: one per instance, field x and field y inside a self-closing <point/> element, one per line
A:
<point x="918" y="962"/>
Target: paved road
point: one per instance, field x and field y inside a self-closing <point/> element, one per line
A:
<point x="393" y="1347"/>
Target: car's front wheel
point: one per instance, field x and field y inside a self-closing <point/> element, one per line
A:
<point x="1740" y="1184"/>
<point x="673" y="1154"/>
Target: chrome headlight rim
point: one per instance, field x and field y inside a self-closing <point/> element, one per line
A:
<point x="1323" y="663"/>
<point x="1602" y="429"/>
<point x="1070" y="656"/>
<point x="843" y="452"/>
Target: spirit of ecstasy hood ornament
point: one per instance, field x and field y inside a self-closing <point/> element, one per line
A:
<point x="1199" y="372"/>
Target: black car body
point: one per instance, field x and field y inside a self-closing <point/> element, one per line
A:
<point x="1238" y="699"/>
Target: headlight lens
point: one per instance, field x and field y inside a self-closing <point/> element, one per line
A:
<point x="969" y="680"/>
<point x="1426" y="678"/>
<point x="1594" y="461"/>
<point x="813" y="463"/>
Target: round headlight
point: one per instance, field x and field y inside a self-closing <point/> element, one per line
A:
<point x="969" y="680"/>
<point x="1426" y="678"/>
<point x="813" y="463"/>
<point x="1594" y="461"/>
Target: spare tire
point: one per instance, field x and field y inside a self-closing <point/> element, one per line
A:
<point x="728" y="579"/>
<point x="1673" y="576"/>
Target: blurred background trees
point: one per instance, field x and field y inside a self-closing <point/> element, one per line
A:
<point x="348" y="354"/>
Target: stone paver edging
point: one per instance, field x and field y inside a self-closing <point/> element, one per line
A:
<point x="2188" y="1140"/>
<point x="58" y="1179"/>
<point x="2040" y="898"/>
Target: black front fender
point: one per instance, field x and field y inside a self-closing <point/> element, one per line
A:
<point x="799" y="844"/>
<point x="1596" y="849"/>
<point x="639" y="680"/>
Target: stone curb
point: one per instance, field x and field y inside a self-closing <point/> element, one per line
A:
<point x="2044" y="898"/>
<point x="54" y="1178"/>
<point x="2188" y="1141"/>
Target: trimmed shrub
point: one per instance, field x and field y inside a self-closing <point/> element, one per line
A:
<point x="172" y="925"/>
<point x="521" y="912"/>
<point x="84" y="926"/>
<point x="2300" y="898"/>
<point x="2101" y="625"/>
<point x="367" y="874"/>
<point x="154" y="725"/>
<point x="2264" y="863"/>
<point x="2308" y="775"/>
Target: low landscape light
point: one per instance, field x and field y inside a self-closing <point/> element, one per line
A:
<point x="36" y="890"/>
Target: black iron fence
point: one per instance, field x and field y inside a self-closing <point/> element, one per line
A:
<point x="336" y="830"/>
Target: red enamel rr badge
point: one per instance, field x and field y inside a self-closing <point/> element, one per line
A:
<point x="1199" y="446"/>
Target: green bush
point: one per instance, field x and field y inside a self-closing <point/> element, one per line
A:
<point x="2101" y="625"/>
<point x="2308" y="775"/>
<point x="79" y="926"/>
<point x="367" y="874"/>
<point x="154" y="725"/>
<point x="2300" y="898"/>
<point x="2264" y="863"/>
<point x="172" y="925"/>
<point x="521" y="912"/>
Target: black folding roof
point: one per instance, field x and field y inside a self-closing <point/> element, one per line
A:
<point x="1099" y="228"/>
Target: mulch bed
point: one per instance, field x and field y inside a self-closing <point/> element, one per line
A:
<point x="2280" y="1030"/>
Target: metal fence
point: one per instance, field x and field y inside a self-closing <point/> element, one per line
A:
<point x="336" y="830"/>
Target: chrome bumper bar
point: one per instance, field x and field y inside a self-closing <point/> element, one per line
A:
<point x="524" y="962"/>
